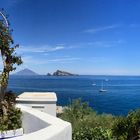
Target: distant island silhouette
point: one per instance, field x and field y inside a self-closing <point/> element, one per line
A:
<point x="61" y="73"/>
<point x="26" y="71"/>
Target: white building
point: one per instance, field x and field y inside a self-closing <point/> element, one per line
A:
<point x="39" y="119"/>
<point x="44" y="101"/>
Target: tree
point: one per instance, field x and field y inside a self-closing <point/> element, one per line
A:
<point x="127" y="128"/>
<point x="9" y="57"/>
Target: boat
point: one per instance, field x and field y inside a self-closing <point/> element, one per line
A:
<point x="102" y="89"/>
<point x="93" y="84"/>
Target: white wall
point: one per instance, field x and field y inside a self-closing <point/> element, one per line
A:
<point x="42" y="126"/>
<point x="48" y="107"/>
<point x="44" y="101"/>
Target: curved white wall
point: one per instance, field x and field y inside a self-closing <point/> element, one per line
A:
<point x="42" y="126"/>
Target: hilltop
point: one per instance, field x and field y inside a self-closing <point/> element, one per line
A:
<point x="26" y="72"/>
<point x="61" y="73"/>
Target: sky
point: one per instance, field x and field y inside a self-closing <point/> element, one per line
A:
<point x="87" y="37"/>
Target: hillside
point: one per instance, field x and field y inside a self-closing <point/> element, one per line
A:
<point x="26" y="72"/>
<point x="63" y="73"/>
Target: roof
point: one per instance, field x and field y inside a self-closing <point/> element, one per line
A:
<point x="37" y="96"/>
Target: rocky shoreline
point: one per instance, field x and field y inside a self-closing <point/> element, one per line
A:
<point x="61" y="73"/>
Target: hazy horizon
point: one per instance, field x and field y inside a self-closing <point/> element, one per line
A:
<point x="13" y="73"/>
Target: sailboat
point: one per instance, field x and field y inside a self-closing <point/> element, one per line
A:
<point x="102" y="89"/>
<point x="94" y="84"/>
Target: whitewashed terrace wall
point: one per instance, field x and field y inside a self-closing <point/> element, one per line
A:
<point x="42" y="126"/>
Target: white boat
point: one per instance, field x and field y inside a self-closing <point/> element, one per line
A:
<point x="102" y="89"/>
<point x="94" y="84"/>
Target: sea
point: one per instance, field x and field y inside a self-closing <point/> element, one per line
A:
<point x="122" y="95"/>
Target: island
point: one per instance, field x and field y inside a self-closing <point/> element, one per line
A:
<point x="49" y="74"/>
<point x="61" y="73"/>
<point x="26" y="72"/>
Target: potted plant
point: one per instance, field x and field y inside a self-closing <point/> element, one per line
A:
<point x="10" y="116"/>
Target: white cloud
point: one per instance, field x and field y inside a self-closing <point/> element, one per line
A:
<point x="55" y="49"/>
<point x="106" y="44"/>
<point x="40" y="49"/>
<point x="111" y="27"/>
<point x="46" y="49"/>
<point x="97" y="44"/>
<point x="99" y="29"/>
<point x="31" y="60"/>
<point x="70" y="59"/>
<point x="134" y="25"/>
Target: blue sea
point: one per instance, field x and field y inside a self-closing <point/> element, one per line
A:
<point x="123" y="92"/>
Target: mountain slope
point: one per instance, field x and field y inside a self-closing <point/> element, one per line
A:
<point x="63" y="73"/>
<point x="26" y="72"/>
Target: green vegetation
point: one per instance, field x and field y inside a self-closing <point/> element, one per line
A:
<point x="12" y="120"/>
<point x="127" y="128"/>
<point x="88" y="125"/>
<point x="9" y="114"/>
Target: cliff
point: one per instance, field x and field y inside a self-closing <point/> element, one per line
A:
<point x="63" y="73"/>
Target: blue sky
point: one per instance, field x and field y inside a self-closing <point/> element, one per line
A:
<point x="80" y="36"/>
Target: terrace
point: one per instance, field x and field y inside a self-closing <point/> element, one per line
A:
<point x="39" y="125"/>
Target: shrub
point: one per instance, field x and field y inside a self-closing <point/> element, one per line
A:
<point x="12" y="120"/>
<point x="127" y="128"/>
<point x="87" y="133"/>
<point x="76" y="112"/>
<point x="86" y="123"/>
